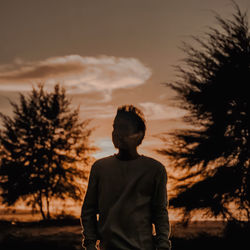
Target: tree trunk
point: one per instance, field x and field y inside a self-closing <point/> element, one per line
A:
<point x="40" y="203"/>
<point x="47" y="203"/>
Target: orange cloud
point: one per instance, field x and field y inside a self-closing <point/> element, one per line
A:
<point x="98" y="111"/>
<point x="78" y="74"/>
<point x="157" y="111"/>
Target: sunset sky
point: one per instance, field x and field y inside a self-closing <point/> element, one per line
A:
<point x="105" y="53"/>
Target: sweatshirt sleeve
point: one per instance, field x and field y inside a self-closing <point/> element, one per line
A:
<point x="89" y="211"/>
<point x="160" y="211"/>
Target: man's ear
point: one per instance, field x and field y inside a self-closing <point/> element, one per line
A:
<point x="140" y="136"/>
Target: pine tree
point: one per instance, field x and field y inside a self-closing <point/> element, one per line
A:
<point x="43" y="150"/>
<point x="212" y="157"/>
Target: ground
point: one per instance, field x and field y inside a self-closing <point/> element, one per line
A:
<point x="65" y="234"/>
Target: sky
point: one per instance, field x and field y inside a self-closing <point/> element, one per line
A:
<point x="106" y="54"/>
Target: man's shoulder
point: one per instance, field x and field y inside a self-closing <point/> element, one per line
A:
<point x="146" y="161"/>
<point x="154" y="163"/>
<point x="152" y="160"/>
<point x="104" y="160"/>
<point x="101" y="164"/>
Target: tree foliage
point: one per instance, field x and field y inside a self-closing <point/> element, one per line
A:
<point x="213" y="155"/>
<point x="43" y="149"/>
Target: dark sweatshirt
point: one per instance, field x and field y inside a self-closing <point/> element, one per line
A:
<point x="128" y="196"/>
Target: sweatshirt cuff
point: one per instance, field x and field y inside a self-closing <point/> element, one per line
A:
<point x="89" y="244"/>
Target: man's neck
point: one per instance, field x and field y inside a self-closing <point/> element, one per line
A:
<point x="127" y="155"/>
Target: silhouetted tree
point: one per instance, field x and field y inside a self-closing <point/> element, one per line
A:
<point x="213" y="154"/>
<point x="43" y="149"/>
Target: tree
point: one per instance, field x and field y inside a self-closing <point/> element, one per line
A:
<point x="43" y="149"/>
<point x="213" y="154"/>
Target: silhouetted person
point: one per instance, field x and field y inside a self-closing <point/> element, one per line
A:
<point x="128" y="193"/>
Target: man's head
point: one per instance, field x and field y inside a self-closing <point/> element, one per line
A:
<point x="128" y="127"/>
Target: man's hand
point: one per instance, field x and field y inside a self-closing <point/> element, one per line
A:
<point x="91" y="247"/>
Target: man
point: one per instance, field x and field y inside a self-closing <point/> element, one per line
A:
<point x="127" y="192"/>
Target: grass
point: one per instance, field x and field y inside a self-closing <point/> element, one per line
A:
<point x="65" y="234"/>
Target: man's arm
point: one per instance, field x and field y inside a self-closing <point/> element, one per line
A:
<point x="89" y="212"/>
<point x="160" y="212"/>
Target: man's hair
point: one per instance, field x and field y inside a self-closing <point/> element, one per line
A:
<point x="133" y="114"/>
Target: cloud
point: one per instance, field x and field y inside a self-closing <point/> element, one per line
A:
<point x="157" y="111"/>
<point x="100" y="112"/>
<point x="106" y="147"/>
<point x="151" y="110"/>
<point x="78" y="74"/>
